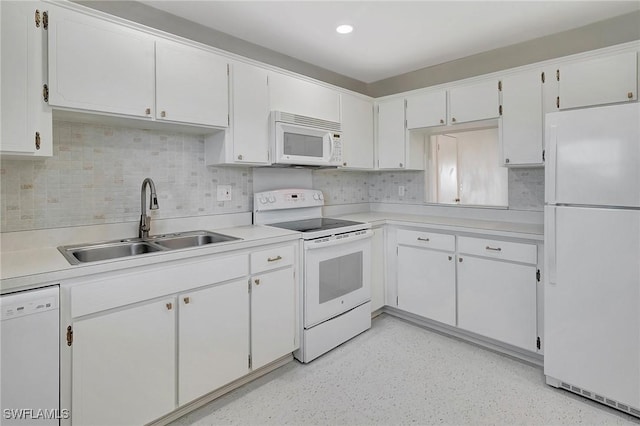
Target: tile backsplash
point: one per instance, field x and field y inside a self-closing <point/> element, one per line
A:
<point x="96" y="172"/>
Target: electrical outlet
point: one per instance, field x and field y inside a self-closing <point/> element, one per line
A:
<point x="224" y="192"/>
<point x="401" y="191"/>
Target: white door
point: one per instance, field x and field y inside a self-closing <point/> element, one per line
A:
<point x="498" y="300"/>
<point x="337" y="276"/>
<point x="273" y="316"/>
<point x="391" y="134"/>
<point x="479" y="101"/>
<point x="124" y="365"/>
<point x="521" y="123"/>
<point x="357" y="132"/>
<point x="192" y="85"/>
<point x="302" y="97"/>
<point x="250" y="117"/>
<point x="592" y="298"/>
<point x="427" y="110"/>
<point x="99" y="66"/>
<point x="447" y="169"/>
<point x="213" y="337"/>
<point x="377" y="270"/>
<point x="593" y="156"/>
<point x="598" y="81"/>
<point x="427" y="283"/>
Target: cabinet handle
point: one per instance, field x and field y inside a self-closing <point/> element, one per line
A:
<point x="257" y="281"/>
<point x="37" y="140"/>
<point x="187" y="300"/>
<point x="423" y="239"/>
<point x="240" y="157"/>
<point x="169" y="306"/>
<point x="493" y="248"/>
<point x="441" y="121"/>
<point x="147" y="111"/>
<point x="630" y="95"/>
<point x="163" y="114"/>
<point x="274" y="259"/>
<point x="453" y="120"/>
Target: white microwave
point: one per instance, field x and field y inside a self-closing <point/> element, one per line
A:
<point x="305" y="141"/>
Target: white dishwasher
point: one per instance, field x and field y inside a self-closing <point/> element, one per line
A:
<point x="29" y="365"/>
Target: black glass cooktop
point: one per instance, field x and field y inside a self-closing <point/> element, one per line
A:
<point x="312" y="225"/>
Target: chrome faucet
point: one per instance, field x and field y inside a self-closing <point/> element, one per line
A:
<point x="145" y="221"/>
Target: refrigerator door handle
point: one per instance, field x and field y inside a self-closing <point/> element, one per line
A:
<point x="550" y="243"/>
<point x="550" y="164"/>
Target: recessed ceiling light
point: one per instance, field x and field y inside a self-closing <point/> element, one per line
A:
<point x="344" y="29"/>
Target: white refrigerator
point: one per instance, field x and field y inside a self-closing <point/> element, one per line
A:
<point x="592" y="254"/>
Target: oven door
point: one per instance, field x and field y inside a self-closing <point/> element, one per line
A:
<point x="304" y="145"/>
<point x="337" y="275"/>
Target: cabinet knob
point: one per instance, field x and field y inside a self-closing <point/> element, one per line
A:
<point x="506" y="160"/>
<point x="460" y="259"/>
<point x="169" y="306"/>
<point x="630" y="95"/>
<point x="147" y="111"/>
<point x="257" y="281"/>
<point x="453" y="120"/>
<point x="240" y="157"/>
<point x="344" y="164"/>
<point x="163" y="114"/>
<point x="400" y="164"/>
<point x="450" y="257"/>
<point x="441" y="121"/>
<point x="187" y="300"/>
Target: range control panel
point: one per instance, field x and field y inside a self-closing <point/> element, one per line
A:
<point x="287" y="199"/>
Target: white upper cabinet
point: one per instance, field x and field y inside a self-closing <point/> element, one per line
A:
<point x="25" y="122"/>
<point x="391" y="134"/>
<point x="521" y="123"/>
<point x="191" y="85"/>
<point x="427" y="110"/>
<point x="100" y="66"/>
<point x="302" y="97"/>
<point x="357" y="132"/>
<point x="479" y="101"/>
<point x="598" y="81"/>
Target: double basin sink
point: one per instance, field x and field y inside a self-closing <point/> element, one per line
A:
<point x="84" y="253"/>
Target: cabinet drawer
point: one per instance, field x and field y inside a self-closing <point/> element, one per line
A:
<point x="151" y="282"/>
<point x="271" y="258"/>
<point x="516" y="252"/>
<point x="427" y="239"/>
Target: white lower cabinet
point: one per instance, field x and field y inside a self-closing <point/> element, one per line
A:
<point x="378" y="270"/>
<point x="212" y="332"/>
<point x="123" y="369"/>
<point x="427" y="283"/>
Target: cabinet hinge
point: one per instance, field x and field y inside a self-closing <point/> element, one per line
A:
<point x="500" y="86"/>
<point x="37" y="140"/>
<point x="378" y="109"/>
<point x="538" y="275"/>
<point x="542" y="76"/>
<point x="69" y="336"/>
<point x="500" y="110"/>
<point x="405" y="124"/>
<point x="397" y="250"/>
<point x="397" y="300"/>
<point x="558" y="102"/>
<point x="558" y="74"/>
<point x="405" y="104"/>
<point x="249" y="285"/>
<point x="227" y="69"/>
<point x="543" y="155"/>
<point x="228" y="120"/>
<point x="538" y="344"/>
<point x="45" y="20"/>
<point x="249" y="360"/>
<point x="45" y="93"/>
<point x="37" y="18"/>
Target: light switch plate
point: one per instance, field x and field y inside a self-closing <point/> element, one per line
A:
<point x="224" y="192"/>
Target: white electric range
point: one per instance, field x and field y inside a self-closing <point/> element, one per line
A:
<point x="336" y="267"/>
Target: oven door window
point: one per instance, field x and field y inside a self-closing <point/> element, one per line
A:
<point x="340" y="276"/>
<point x="303" y="145"/>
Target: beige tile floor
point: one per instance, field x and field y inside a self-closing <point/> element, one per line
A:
<point x="399" y="373"/>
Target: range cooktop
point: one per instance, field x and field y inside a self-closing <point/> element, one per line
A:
<point x="314" y="225"/>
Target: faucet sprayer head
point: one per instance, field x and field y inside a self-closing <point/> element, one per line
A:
<point x="154" y="201"/>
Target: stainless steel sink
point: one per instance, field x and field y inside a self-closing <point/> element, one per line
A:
<point x="83" y="253"/>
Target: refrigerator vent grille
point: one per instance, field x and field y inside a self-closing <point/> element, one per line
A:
<point x="602" y="399"/>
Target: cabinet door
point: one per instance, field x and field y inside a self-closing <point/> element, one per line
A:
<point x="377" y="272"/>
<point x="297" y="96"/>
<point x="272" y="316"/>
<point x="391" y="134"/>
<point x="426" y="283"/>
<point x="250" y="116"/>
<point x="598" y="81"/>
<point x="192" y="85"/>
<point x="26" y="122"/>
<point x="357" y="132"/>
<point x="427" y="110"/>
<point x="475" y="102"/>
<point x="498" y="300"/>
<point x="99" y="66"/>
<point x="124" y="365"/>
<point x="521" y="123"/>
<point x="213" y="339"/>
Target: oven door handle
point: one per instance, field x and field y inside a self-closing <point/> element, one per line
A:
<point x="316" y="244"/>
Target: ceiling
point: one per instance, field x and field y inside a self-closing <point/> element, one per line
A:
<point x="390" y="37"/>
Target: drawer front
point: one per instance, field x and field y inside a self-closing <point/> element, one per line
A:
<point x="496" y="249"/>
<point x="271" y="258"/>
<point x="430" y="240"/>
<point x="126" y="288"/>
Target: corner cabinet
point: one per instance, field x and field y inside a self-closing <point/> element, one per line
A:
<point x="357" y="132"/>
<point x="26" y="120"/>
<point x="395" y="148"/>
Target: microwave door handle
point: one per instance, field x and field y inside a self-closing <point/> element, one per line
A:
<point x="331" y="147"/>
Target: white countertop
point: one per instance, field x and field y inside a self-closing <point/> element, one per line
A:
<point x="30" y="268"/>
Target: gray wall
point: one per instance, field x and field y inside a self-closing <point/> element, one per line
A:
<point x="601" y="34"/>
